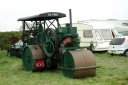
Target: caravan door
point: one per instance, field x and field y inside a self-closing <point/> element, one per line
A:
<point x="103" y="38"/>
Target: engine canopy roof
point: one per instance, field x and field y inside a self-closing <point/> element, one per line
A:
<point x="43" y="16"/>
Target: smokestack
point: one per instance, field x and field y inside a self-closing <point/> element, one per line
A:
<point x="70" y="15"/>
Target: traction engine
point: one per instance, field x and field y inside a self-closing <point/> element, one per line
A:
<point x="55" y="48"/>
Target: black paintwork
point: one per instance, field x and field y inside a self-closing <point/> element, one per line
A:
<point x="43" y="16"/>
<point x="14" y="52"/>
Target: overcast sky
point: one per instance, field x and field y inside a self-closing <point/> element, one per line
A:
<point x="11" y="10"/>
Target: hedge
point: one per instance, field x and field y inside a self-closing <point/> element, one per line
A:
<point x="5" y="42"/>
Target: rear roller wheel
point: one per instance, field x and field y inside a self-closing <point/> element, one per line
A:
<point x="30" y="56"/>
<point x="78" y="59"/>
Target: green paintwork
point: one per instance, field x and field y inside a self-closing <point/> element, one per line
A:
<point x="49" y="47"/>
<point x="27" y="59"/>
<point x="32" y="41"/>
<point x="37" y="33"/>
<point x="48" y="42"/>
<point x="66" y="30"/>
<point x="68" y="62"/>
<point x="48" y="62"/>
<point x="54" y="45"/>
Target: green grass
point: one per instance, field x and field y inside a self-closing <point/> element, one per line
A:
<point x="113" y="71"/>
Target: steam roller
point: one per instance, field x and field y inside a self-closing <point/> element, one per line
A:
<point x="49" y="48"/>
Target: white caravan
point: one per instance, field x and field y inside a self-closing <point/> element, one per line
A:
<point x="98" y="33"/>
<point x="123" y="30"/>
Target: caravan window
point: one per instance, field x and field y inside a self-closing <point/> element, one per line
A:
<point x="125" y="33"/>
<point x="87" y="34"/>
<point x="98" y="35"/>
<point x="106" y="34"/>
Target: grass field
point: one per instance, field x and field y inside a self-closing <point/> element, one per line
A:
<point x="113" y="71"/>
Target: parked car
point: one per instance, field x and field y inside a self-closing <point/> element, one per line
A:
<point x="15" y="49"/>
<point x="119" y="45"/>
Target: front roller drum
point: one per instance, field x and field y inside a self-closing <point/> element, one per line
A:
<point x="80" y="63"/>
<point x="31" y="54"/>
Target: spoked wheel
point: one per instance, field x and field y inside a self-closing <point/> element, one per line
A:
<point x="50" y="42"/>
<point x="79" y="60"/>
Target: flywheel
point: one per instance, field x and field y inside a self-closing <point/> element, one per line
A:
<point x="50" y="42"/>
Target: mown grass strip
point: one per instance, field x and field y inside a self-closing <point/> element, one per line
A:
<point x="112" y="71"/>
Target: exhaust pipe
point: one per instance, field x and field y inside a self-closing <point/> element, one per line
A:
<point x="70" y="15"/>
